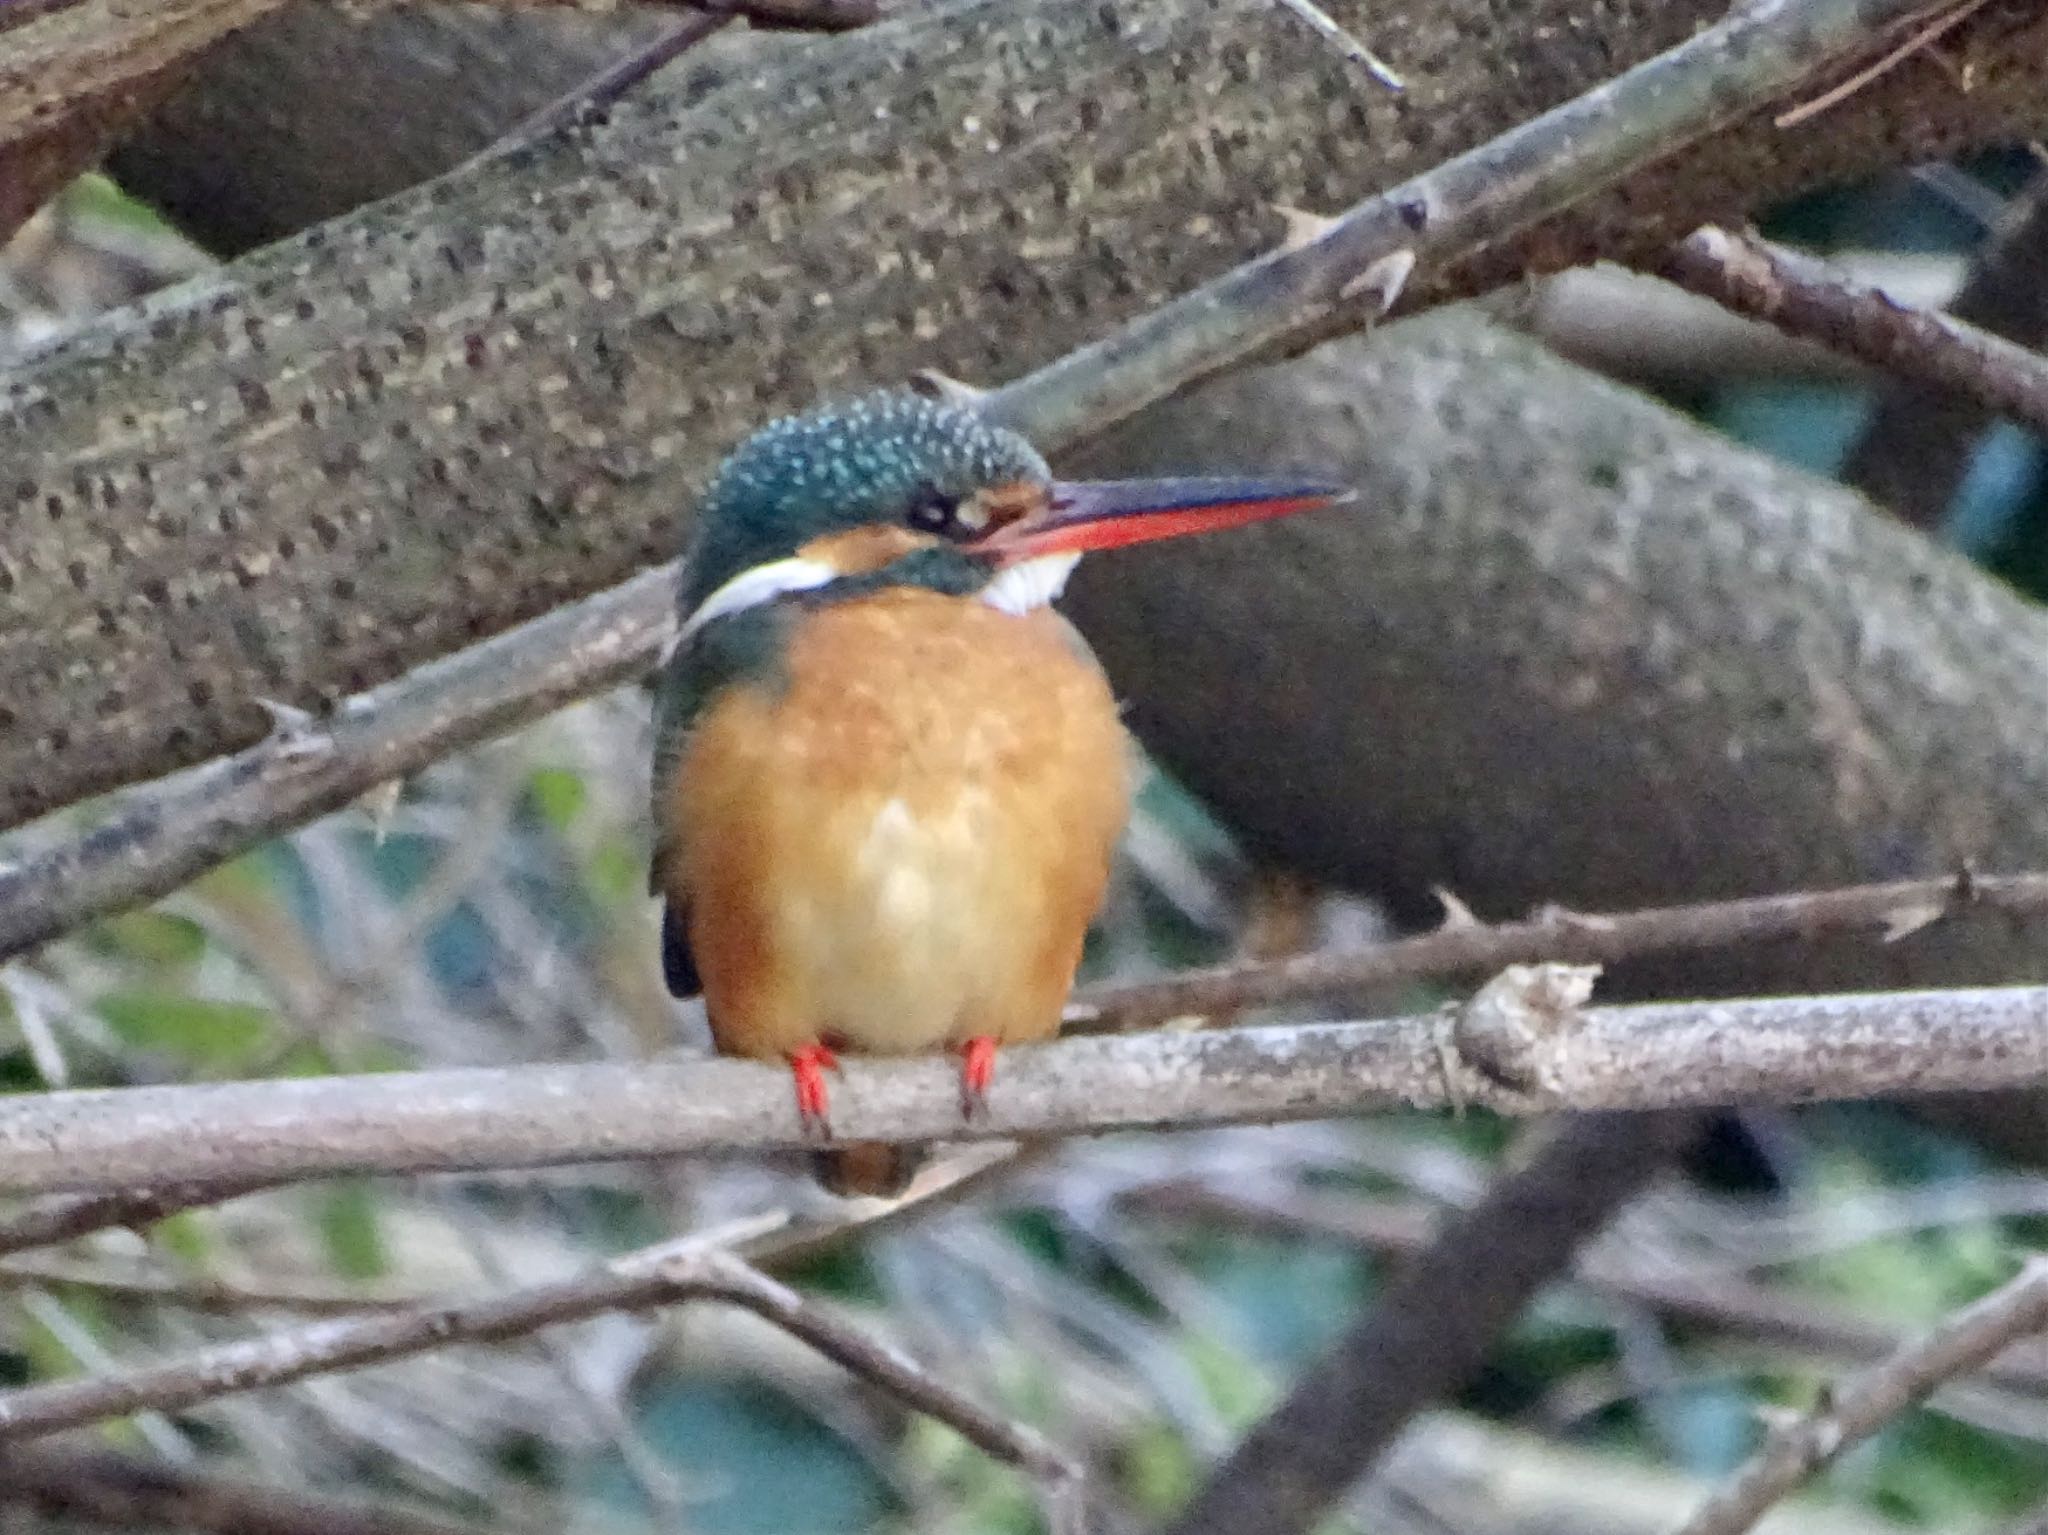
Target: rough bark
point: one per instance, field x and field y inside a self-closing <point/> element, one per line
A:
<point x="459" y="407"/>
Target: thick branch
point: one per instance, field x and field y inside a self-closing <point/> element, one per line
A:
<point x="1679" y="1055"/>
<point x="462" y="407"/>
<point x="1859" y="1407"/>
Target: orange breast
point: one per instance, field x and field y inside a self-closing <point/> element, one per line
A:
<point x="901" y="845"/>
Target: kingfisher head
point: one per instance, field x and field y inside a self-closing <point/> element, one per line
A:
<point x="897" y="488"/>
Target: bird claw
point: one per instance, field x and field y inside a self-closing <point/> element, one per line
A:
<point x="977" y="1072"/>
<point x="813" y="1103"/>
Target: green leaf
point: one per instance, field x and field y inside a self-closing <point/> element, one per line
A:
<point x="349" y="1228"/>
<point x="558" y="795"/>
<point x="190" y="1029"/>
<point x="185" y="1237"/>
<point x="155" y="937"/>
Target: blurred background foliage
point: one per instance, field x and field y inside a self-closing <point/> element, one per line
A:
<point x="1140" y="1298"/>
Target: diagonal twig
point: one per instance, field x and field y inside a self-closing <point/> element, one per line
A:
<point x="60" y="1219"/>
<point x="164" y="835"/>
<point x="1860" y="1406"/>
<point x="693" y="1269"/>
<point x="1893" y="910"/>
<point x="1533" y="1060"/>
<point x="1804" y="298"/>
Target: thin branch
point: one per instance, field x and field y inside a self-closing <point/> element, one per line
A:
<point x="614" y="82"/>
<point x="196" y="1294"/>
<point x="693" y="1268"/>
<point x="171" y="832"/>
<point x="1687" y="1055"/>
<point x="51" y="1221"/>
<point x="166" y="834"/>
<point x="1465" y="947"/>
<point x="99" y="1487"/>
<point x="1803" y="298"/>
<point x="1860" y="1406"/>
<point x="1922" y="37"/>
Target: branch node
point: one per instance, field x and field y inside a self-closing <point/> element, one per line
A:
<point x="1513" y="1029"/>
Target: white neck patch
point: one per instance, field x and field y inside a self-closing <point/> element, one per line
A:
<point x="1029" y="584"/>
<point x="762" y="583"/>
<point x="1017" y="589"/>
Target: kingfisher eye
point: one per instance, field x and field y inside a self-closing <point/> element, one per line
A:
<point x="935" y="512"/>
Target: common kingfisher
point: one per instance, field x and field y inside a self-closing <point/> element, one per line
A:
<point x="888" y="777"/>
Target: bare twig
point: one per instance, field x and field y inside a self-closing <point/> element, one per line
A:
<point x="106" y="1489"/>
<point x="51" y="1221"/>
<point x="1804" y="298"/>
<point x="169" y="833"/>
<point x="720" y="1276"/>
<point x="691" y="1269"/>
<point x="195" y="1294"/>
<point x="175" y="830"/>
<point x="612" y="83"/>
<point x="1347" y="44"/>
<point x="1862" y="1405"/>
<point x="1686" y="1055"/>
<point x="1893" y="910"/>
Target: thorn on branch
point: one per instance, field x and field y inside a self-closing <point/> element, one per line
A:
<point x="1382" y="282"/>
<point x="934" y="385"/>
<point x="1300" y="226"/>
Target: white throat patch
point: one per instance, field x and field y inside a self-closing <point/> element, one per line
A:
<point x="751" y="588"/>
<point x="1030" y="584"/>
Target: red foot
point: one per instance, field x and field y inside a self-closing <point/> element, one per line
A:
<point x="977" y="1071"/>
<point x="809" y="1066"/>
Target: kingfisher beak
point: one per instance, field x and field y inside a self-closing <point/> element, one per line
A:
<point x="1082" y="515"/>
